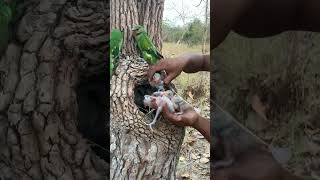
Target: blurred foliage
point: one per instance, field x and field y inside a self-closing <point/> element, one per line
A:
<point x="171" y="33"/>
<point x="191" y="33"/>
<point x="194" y="34"/>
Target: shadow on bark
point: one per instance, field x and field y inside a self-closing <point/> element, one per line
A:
<point x="92" y="95"/>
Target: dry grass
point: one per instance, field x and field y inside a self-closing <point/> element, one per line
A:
<point x="173" y="49"/>
<point x="195" y="88"/>
<point x="195" y="151"/>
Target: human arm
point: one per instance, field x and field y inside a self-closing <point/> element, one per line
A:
<point x="189" y="118"/>
<point x="254" y="164"/>
<point x="203" y="126"/>
<point x="188" y="63"/>
<point x="226" y="14"/>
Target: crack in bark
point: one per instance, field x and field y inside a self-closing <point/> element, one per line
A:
<point x="41" y="121"/>
<point x="131" y="137"/>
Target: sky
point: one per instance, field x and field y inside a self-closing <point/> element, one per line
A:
<point x="186" y="7"/>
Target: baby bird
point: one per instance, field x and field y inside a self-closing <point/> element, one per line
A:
<point x="157" y="81"/>
<point x="160" y="102"/>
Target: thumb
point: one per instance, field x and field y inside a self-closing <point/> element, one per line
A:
<point x="153" y="69"/>
<point x="169" y="115"/>
<point x="168" y="79"/>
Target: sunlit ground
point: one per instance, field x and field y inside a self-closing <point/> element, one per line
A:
<point x="195" y="153"/>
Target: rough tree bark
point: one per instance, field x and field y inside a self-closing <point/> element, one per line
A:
<point x="126" y="14"/>
<point x="136" y="151"/>
<point x="55" y="43"/>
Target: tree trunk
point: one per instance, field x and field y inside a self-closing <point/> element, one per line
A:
<point x="136" y="151"/>
<point x="182" y="36"/>
<point x="55" y="43"/>
<point x="126" y="14"/>
<point x="205" y="32"/>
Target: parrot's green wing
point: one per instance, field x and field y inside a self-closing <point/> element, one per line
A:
<point x="116" y="42"/>
<point x="5" y="19"/>
<point x="147" y="49"/>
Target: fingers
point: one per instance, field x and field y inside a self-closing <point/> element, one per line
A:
<point x="169" y="78"/>
<point x="169" y="115"/>
<point x="172" y="70"/>
<point x="153" y="69"/>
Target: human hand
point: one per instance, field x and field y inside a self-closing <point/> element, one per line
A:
<point x="189" y="63"/>
<point x="188" y="118"/>
<point x="173" y="67"/>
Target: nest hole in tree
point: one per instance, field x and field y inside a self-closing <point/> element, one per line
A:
<point x="139" y="92"/>
<point x="92" y="96"/>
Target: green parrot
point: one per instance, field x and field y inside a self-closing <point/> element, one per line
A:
<point x="5" y="19"/>
<point x="147" y="49"/>
<point x="116" y="42"/>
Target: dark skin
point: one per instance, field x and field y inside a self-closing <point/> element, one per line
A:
<point x="258" y="19"/>
<point x="261" y="162"/>
<point x="189" y="63"/>
<point x="253" y="19"/>
<point x="254" y="165"/>
<point x="263" y="18"/>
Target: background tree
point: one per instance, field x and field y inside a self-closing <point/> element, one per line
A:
<point x="55" y="46"/>
<point x="184" y="16"/>
<point x="186" y="13"/>
<point x="171" y="33"/>
<point x="194" y="33"/>
<point x="206" y="30"/>
<point x="136" y="151"/>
